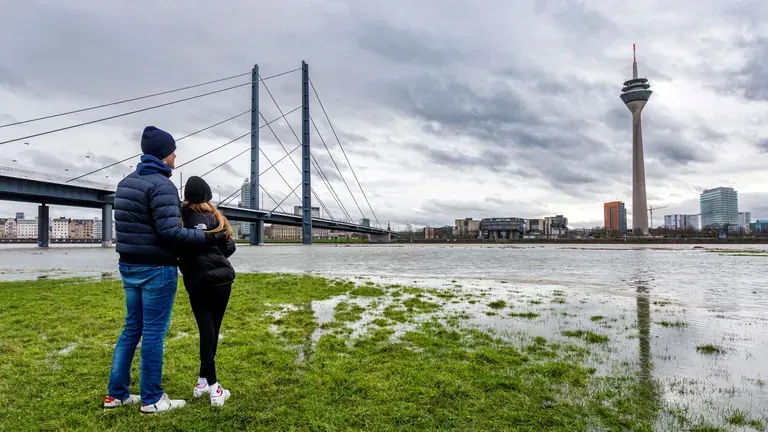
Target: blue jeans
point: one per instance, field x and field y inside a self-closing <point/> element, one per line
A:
<point x="149" y="295"/>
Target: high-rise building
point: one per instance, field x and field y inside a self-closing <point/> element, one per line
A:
<point x="681" y="221"/>
<point x="365" y="222"/>
<point x="245" y="202"/>
<point x="19" y="215"/>
<point x="635" y="95"/>
<point x="615" y="216"/>
<point x="245" y="194"/>
<point x="745" y="218"/>
<point x="719" y="206"/>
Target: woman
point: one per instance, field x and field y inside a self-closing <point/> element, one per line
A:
<point x="208" y="277"/>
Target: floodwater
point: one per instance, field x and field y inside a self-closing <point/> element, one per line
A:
<point x="656" y="304"/>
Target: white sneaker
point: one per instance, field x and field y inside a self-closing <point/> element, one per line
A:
<point x="110" y="402"/>
<point x="164" y="404"/>
<point x="201" y="390"/>
<point x="218" y="395"/>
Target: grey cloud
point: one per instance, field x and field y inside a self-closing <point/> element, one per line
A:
<point x="763" y="145"/>
<point x="493" y="160"/>
<point x="401" y="45"/>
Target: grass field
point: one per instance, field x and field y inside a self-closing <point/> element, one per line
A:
<point x="410" y="367"/>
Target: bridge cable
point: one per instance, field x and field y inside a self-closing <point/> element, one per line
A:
<point x="238" y="138"/>
<point x="126" y="113"/>
<point x="139" y="154"/>
<point x="286" y="197"/>
<point x="342" y="149"/>
<point x="336" y="165"/>
<point x="323" y="177"/>
<point x="134" y="99"/>
<point x="294" y="164"/>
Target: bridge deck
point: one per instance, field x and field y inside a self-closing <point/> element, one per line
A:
<point x="27" y="186"/>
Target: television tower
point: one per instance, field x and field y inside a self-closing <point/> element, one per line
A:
<point x="635" y="95"/>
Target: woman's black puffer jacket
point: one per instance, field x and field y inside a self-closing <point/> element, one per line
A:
<point x="205" y="265"/>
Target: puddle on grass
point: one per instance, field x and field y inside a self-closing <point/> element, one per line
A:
<point x="656" y="337"/>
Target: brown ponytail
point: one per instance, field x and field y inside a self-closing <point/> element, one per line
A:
<point x="207" y="207"/>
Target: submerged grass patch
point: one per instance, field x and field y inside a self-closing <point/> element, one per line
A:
<point x="589" y="336"/>
<point x="431" y="377"/>
<point x="498" y="304"/>
<point x="665" y="323"/>
<point x="367" y="291"/>
<point x="709" y="349"/>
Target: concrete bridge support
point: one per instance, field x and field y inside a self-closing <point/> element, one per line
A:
<point x="106" y="225"/>
<point x="43" y="226"/>
<point x="380" y="238"/>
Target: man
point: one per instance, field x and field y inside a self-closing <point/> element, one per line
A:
<point x="148" y="227"/>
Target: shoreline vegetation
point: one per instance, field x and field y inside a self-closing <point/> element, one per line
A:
<point x="301" y="352"/>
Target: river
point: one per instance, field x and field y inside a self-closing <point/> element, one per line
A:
<point x="659" y="302"/>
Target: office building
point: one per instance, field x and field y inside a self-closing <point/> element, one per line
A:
<point x="615" y="217"/>
<point x="635" y="95"/>
<point x="466" y="227"/>
<point x="745" y="218"/>
<point x="534" y="227"/>
<point x="363" y="222"/>
<point x="19" y="215"/>
<point x="719" y="207"/>
<point x="502" y="228"/>
<point x="681" y="221"/>
<point x="759" y="226"/>
<point x="555" y="226"/>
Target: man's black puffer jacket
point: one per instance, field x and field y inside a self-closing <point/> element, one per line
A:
<point x="205" y="266"/>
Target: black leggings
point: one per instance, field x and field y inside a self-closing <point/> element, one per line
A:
<point x="208" y="305"/>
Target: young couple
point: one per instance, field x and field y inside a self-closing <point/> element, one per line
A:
<point x="156" y="234"/>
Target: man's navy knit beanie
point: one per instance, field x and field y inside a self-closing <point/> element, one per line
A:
<point x="157" y="142"/>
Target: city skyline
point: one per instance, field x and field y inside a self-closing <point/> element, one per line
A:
<point x="438" y="123"/>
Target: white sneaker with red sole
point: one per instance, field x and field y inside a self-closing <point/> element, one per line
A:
<point x="219" y="395"/>
<point x="201" y="390"/>
<point x="110" y="402"/>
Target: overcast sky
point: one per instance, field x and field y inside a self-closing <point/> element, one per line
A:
<point x="447" y="109"/>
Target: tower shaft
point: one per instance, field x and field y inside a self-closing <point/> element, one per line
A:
<point x="639" y="198"/>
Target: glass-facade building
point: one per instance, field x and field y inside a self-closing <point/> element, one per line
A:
<point x="719" y="206"/>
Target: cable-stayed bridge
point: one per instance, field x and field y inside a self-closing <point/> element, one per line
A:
<point x="81" y="191"/>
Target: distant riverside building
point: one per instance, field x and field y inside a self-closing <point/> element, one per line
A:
<point x="288" y="232"/>
<point x="555" y="226"/>
<point x="719" y="206"/>
<point x="26" y="228"/>
<point x="534" y="227"/>
<point x="19" y="215"/>
<point x="615" y="216"/>
<point x="363" y="222"/>
<point x="245" y="202"/>
<point x="502" y="228"/>
<point x="60" y="228"/>
<point x="681" y="221"/>
<point x="466" y="227"/>
<point x="759" y="226"/>
<point x="80" y="229"/>
<point x="429" y="233"/>
<point x="745" y="218"/>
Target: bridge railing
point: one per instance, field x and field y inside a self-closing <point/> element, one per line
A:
<point x="34" y="175"/>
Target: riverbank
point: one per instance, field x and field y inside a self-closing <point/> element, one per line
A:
<point x="302" y="352"/>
